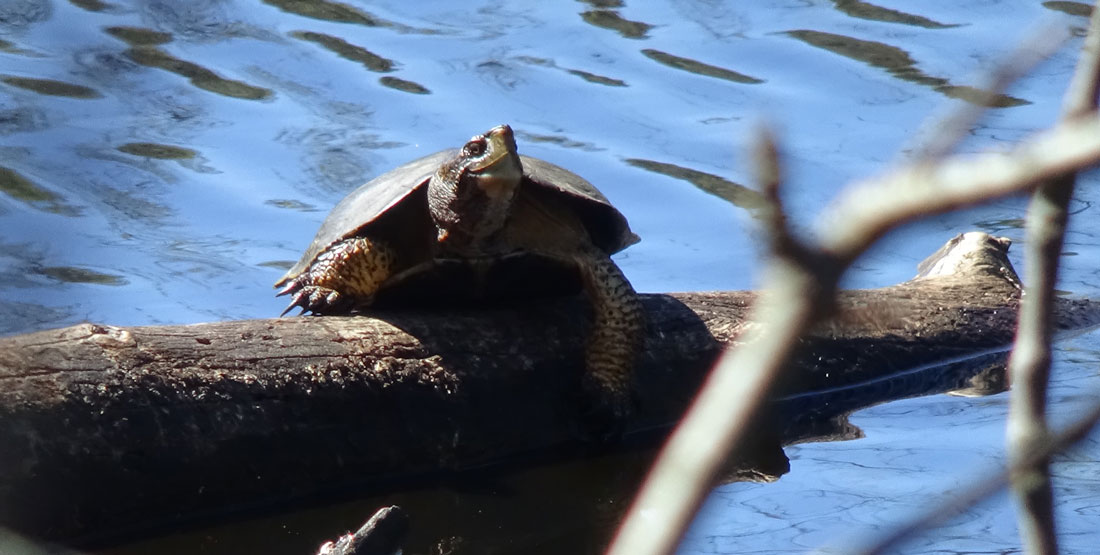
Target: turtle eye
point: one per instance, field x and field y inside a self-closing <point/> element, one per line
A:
<point x="474" y="148"/>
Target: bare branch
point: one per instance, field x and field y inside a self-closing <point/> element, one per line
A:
<point x="869" y="209"/>
<point x="766" y="158"/>
<point x="801" y="288"/>
<point x="1081" y="97"/>
<point x="1029" y="366"/>
<point x="728" y="400"/>
<point x="718" y="418"/>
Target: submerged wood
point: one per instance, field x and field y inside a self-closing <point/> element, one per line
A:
<point x="107" y="430"/>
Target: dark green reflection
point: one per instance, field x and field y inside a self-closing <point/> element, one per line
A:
<point x="899" y="64"/>
<point x="23" y="189"/>
<point x="72" y="274"/>
<point x="995" y="227"/>
<point x="20" y="188"/>
<point x="156" y="150"/>
<point x="200" y="76"/>
<point x="1071" y="8"/>
<point x="282" y="265"/>
<point x="736" y="194"/>
<point x="327" y="11"/>
<point x="864" y="10"/>
<point x="51" y="87"/>
<point x="560" y="140"/>
<point x="610" y="19"/>
<point x="403" y="85"/>
<point x="139" y="36"/>
<point x="291" y="204"/>
<point x="587" y="76"/>
<point x="699" y="68"/>
<point x="597" y="79"/>
<point x="91" y="5"/>
<point x="348" y="51"/>
<point x="604" y="3"/>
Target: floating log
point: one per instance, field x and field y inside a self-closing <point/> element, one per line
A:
<point x="107" y="431"/>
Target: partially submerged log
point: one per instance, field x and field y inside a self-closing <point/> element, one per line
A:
<point x="107" y="430"/>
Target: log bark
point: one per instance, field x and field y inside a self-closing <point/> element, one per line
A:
<point x="106" y="431"/>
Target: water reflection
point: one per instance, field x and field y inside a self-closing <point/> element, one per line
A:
<point x="91" y="5"/>
<point x="1080" y="9"/>
<point x="403" y="85"/>
<point x="329" y="11"/>
<point x="610" y="19"/>
<point x="69" y="274"/>
<point x="51" y="87"/>
<point x="348" y="51"/>
<point x="20" y="188"/>
<point x="199" y="76"/>
<point x="137" y="36"/>
<point x="587" y="76"/>
<point x="699" y="68"/>
<point x="559" y="140"/>
<point x="154" y="150"/>
<point x="566" y="506"/>
<point x="734" y="193"/>
<point x="865" y="10"/>
<point x="899" y="64"/>
<point x="341" y="13"/>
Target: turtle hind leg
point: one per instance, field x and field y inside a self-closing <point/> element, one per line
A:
<point x="616" y="339"/>
<point x="345" y="276"/>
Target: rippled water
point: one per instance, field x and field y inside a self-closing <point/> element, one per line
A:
<point x="164" y="162"/>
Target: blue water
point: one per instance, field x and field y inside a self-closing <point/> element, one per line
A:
<point x="257" y="130"/>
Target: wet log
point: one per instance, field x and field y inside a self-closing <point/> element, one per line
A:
<point x="105" y="431"/>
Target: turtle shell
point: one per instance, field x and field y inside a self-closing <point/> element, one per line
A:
<point x="393" y="207"/>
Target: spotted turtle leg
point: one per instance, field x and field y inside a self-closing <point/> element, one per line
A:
<point x="345" y="276"/>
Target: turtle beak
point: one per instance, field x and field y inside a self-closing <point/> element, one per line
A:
<point x="499" y="171"/>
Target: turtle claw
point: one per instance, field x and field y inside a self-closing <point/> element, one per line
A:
<point x="297" y="301"/>
<point x="313" y="298"/>
<point x="291" y="287"/>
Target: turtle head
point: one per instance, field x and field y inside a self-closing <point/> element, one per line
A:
<point x="471" y="194"/>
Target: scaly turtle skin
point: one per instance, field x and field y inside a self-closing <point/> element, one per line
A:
<point x="475" y="223"/>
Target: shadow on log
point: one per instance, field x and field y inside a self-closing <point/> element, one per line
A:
<point x="108" y="431"/>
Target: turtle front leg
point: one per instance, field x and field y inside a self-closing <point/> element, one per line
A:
<point x="615" y="341"/>
<point x="343" y="277"/>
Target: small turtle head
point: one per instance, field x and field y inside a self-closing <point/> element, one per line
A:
<point x="471" y="194"/>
